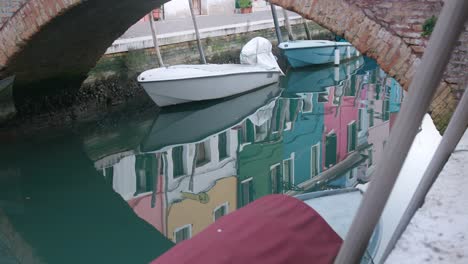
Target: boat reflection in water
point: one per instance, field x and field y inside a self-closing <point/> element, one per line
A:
<point x="201" y="162"/>
<point x="163" y="177"/>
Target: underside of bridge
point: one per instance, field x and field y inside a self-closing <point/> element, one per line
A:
<point x="52" y="44"/>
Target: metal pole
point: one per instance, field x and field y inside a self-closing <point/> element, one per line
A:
<point x="455" y="130"/>
<point x="197" y="34"/>
<point x="422" y="88"/>
<point x="155" y="40"/>
<point x="306" y="27"/>
<point x="288" y="25"/>
<point x="275" y="21"/>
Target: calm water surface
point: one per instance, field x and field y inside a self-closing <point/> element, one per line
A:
<point x="125" y="188"/>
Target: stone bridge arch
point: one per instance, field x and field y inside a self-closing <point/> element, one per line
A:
<point x="389" y="31"/>
<point x="49" y="39"/>
<point x="60" y="40"/>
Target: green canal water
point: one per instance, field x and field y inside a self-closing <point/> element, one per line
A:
<point x="127" y="187"/>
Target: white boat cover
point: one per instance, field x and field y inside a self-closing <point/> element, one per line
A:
<point x="297" y="44"/>
<point x="188" y="71"/>
<point x="258" y="52"/>
<point x="256" y="56"/>
<point x="262" y="115"/>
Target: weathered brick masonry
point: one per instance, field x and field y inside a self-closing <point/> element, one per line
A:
<point x="386" y="30"/>
<point x="8" y="8"/>
<point x="390" y="32"/>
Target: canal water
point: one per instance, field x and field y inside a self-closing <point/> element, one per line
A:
<point x="125" y="188"/>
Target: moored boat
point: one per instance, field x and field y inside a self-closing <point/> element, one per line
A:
<point x="317" y="79"/>
<point x="187" y="83"/>
<point x="205" y="119"/>
<point x="277" y="229"/>
<point x="301" y="53"/>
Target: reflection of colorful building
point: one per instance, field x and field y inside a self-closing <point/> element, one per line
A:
<point x="181" y="181"/>
<point x="300" y="141"/>
<point x="261" y="152"/>
<point x="341" y="123"/>
<point x="190" y="216"/>
<point x="302" y="144"/>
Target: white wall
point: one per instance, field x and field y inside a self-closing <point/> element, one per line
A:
<point x="176" y="9"/>
<point x="180" y="8"/>
<point x="220" y="7"/>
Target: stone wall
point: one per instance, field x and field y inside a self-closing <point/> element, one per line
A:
<point x="221" y="49"/>
<point x="8" y="8"/>
<point x="390" y="32"/>
<point x="405" y="19"/>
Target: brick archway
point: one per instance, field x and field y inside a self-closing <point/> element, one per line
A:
<point x="50" y="39"/>
<point x="390" y="32"/>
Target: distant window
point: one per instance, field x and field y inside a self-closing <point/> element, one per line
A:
<point x="220" y="211"/>
<point x="288" y="173"/>
<point x="161" y="165"/>
<point x="371" y="117"/>
<point x="261" y="132"/>
<point x="307" y="103"/>
<point x="370" y="158"/>
<point x="203" y="155"/>
<point x="222" y="146"/>
<point x="109" y="175"/>
<point x="361" y="112"/>
<point x="145" y="170"/>
<point x="275" y="176"/>
<point x="246" y="191"/>
<point x="352" y="136"/>
<point x="386" y="110"/>
<point x="315" y="160"/>
<point x="330" y="150"/>
<point x="247" y="132"/>
<point x="178" y="161"/>
<point x="182" y="233"/>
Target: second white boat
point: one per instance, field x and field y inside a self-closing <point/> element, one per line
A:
<point x="186" y="83"/>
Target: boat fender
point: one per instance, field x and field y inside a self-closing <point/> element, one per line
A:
<point x="348" y="52"/>
<point x="337" y="74"/>
<point x="337" y="56"/>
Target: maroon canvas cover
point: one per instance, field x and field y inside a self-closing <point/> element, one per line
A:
<point x="274" y="229"/>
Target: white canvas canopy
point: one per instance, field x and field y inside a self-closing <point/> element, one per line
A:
<point x="258" y="52"/>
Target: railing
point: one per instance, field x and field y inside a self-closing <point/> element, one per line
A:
<point x="422" y="88"/>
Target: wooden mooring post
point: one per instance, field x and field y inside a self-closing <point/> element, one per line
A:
<point x="155" y="40"/>
<point x="197" y="34"/>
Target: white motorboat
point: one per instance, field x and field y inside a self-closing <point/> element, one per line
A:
<point x="187" y="83"/>
<point x="301" y="53"/>
<point x="206" y="119"/>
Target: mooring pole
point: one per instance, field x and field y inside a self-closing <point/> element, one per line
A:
<point x="422" y="88"/>
<point x="155" y="39"/>
<point x="306" y="27"/>
<point x="455" y="130"/>
<point x="288" y="25"/>
<point x="275" y="21"/>
<point x="197" y="34"/>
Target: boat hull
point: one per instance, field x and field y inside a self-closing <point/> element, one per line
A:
<point x="302" y="57"/>
<point x="172" y="92"/>
<point x="338" y="208"/>
<point x="169" y="129"/>
<point x="317" y="79"/>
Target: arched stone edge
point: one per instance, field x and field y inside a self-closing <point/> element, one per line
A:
<point x="27" y="21"/>
<point x="344" y="19"/>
